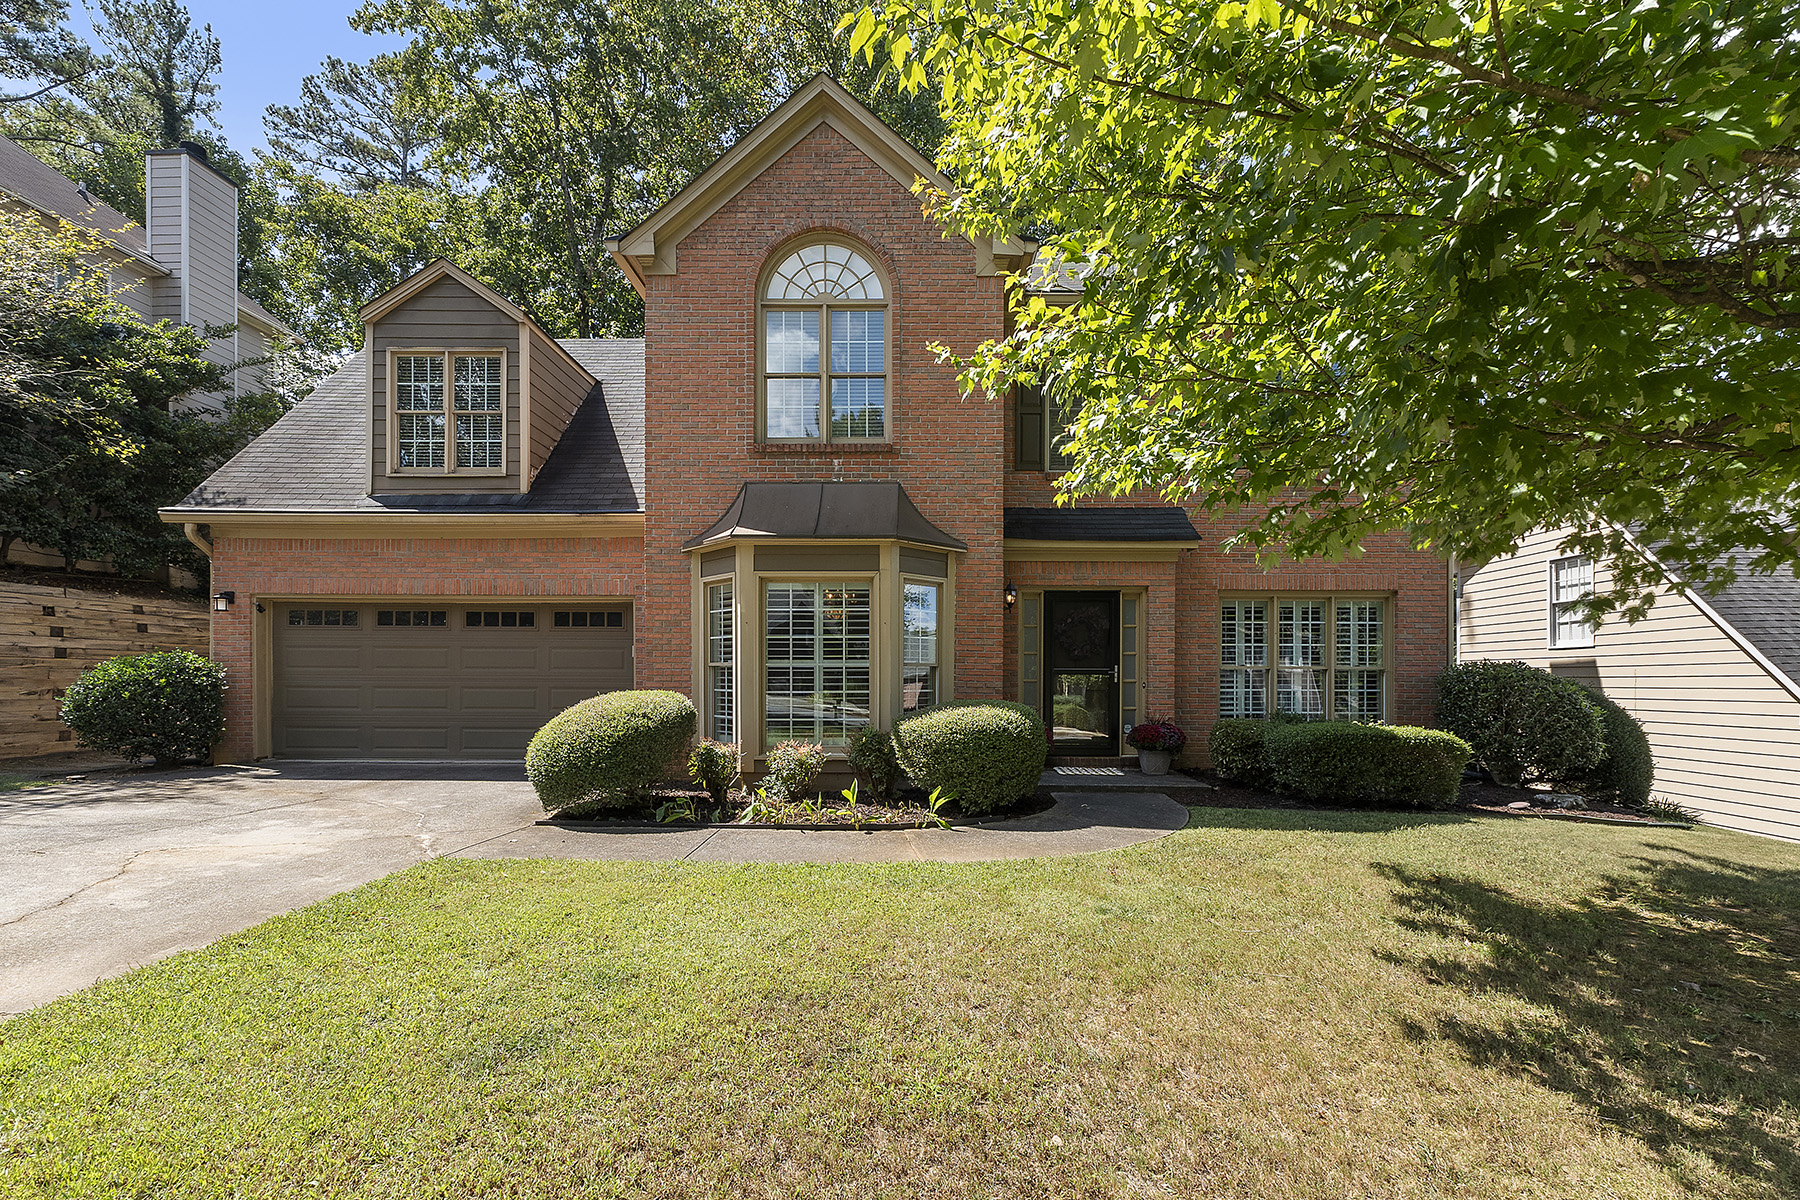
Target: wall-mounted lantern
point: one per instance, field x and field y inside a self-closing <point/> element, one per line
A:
<point x="1012" y="596"/>
<point x="223" y="600"/>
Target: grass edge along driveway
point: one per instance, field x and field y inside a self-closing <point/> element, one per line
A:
<point x="1267" y="1003"/>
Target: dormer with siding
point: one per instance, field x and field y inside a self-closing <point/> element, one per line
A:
<point x="467" y="395"/>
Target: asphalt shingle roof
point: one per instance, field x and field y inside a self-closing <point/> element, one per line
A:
<point x="1765" y="609"/>
<point x="316" y="460"/>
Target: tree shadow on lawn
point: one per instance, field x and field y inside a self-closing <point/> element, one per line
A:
<point x="1320" y="820"/>
<point x="1665" y="1000"/>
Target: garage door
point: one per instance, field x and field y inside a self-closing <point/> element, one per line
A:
<point x="437" y="680"/>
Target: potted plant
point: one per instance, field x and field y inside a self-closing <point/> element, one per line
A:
<point x="1157" y="743"/>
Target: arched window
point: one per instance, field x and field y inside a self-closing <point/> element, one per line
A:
<point x="838" y="390"/>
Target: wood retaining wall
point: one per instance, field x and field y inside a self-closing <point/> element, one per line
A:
<point x="54" y="629"/>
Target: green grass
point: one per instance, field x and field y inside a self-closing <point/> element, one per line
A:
<point x="18" y="783"/>
<point x="1266" y="1004"/>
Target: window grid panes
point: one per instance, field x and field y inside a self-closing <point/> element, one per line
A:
<point x="480" y="398"/>
<point x="419" y="410"/>
<point x="919" y="651"/>
<point x="1571" y="581"/>
<point x="1243" y="658"/>
<point x="1347" y="683"/>
<point x="721" y="663"/>
<point x="823" y="393"/>
<point x="816" y="662"/>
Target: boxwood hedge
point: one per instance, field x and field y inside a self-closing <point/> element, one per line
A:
<point x="607" y="751"/>
<point x="1523" y="722"/>
<point x="1628" y="769"/>
<point x="986" y="753"/>
<point x="1342" y="762"/>
<point x="168" y="705"/>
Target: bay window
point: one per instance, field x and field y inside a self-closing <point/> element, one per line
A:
<point x="815" y="661"/>
<point x="721" y="663"/>
<point x="919" y="653"/>
<point x="1331" y="657"/>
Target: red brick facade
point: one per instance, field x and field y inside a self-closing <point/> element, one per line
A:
<point x="951" y="453"/>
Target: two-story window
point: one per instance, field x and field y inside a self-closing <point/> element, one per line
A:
<point x="449" y="411"/>
<point x="824" y="348"/>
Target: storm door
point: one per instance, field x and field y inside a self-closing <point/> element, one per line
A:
<point x="1081" y="668"/>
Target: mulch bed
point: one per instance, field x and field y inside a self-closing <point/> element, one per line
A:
<point x="907" y="811"/>
<point x="1478" y="796"/>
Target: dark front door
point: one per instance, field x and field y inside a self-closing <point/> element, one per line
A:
<point x="1081" y="657"/>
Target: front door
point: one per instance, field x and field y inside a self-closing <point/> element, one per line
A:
<point x="1081" y="659"/>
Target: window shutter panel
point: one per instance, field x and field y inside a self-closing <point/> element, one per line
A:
<point x="1028" y="427"/>
<point x="1057" y="415"/>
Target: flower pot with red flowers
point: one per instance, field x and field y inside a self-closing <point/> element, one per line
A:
<point x="1157" y="744"/>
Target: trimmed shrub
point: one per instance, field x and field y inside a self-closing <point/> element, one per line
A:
<point x="168" y="705"/>
<point x="794" y="770"/>
<point x="1235" y="746"/>
<point x="1343" y="762"/>
<point x="1523" y="723"/>
<point x="1628" y="769"/>
<point x="606" y="752"/>
<point x="872" y="753"/>
<point x="986" y="753"/>
<point x="714" y="766"/>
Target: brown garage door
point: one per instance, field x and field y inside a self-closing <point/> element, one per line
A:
<point x="437" y="679"/>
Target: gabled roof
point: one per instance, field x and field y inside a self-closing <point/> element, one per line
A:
<point x="650" y="249"/>
<point x="1763" y="610"/>
<point x="423" y="278"/>
<point x="316" y="458"/>
<point x="825" y="511"/>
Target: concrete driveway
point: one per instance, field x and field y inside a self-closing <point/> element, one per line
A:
<point x="117" y="870"/>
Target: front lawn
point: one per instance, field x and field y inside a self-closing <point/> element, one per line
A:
<point x="1268" y="1004"/>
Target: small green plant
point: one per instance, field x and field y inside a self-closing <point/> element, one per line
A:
<point x="872" y="753"/>
<point x="1668" y="810"/>
<point x="761" y="810"/>
<point x="168" y="705"/>
<point x="937" y="802"/>
<point x="849" y="795"/>
<point x="714" y="766"/>
<point x="794" y="770"/>
<point x="680" y="808"/>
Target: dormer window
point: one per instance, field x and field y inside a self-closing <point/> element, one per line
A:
<point x="462" y="431"/>
<point x="824" y="348"/>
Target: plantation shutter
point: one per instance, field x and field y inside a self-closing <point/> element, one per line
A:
<point x="1028" y="429"/>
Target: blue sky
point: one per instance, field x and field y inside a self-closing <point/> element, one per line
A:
<point x="268" y="47"/>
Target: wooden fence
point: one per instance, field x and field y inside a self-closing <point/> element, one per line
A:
<point x="51" y="633"/>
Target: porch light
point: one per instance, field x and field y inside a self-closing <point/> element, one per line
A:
<point x="223" y="600"/>
<point x="1012" y="595"/>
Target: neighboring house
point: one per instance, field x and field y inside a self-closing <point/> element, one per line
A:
<point x="183" y="267"/>
<point x="778" y="502"/>
<point x="1715" y="680"/>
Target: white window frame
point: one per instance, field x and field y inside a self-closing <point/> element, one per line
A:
<point x="1584" y="638"/>
<point x="824" y="307"/>
<point x="448" y="355"/>
<point x="1264" y="664"/>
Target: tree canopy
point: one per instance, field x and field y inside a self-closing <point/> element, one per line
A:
<point x="1462" y="269"/>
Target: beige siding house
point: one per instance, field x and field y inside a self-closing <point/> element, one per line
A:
<point x="1715" y="681"/>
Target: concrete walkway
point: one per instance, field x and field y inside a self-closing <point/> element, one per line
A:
<point x="107" y="873"/>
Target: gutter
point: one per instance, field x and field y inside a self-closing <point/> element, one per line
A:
<point x="201" y="542"/>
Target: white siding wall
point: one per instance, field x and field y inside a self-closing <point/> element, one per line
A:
<point x="192" y="230"/>
<point x="1725" y="733"/>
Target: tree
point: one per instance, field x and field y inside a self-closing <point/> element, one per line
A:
<point x="357" y="124"/>
<point x="89" y="448"/>
<point x="163" y="63"/>
<point x="1462" y="270"/>
<point x="37" y="53"/>
<point x="576" y="118"/>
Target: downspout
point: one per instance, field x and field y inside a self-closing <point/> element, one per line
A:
<point x="201" y="542"/>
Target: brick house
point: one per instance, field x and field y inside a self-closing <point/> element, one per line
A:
<point x="778" y="502"/>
